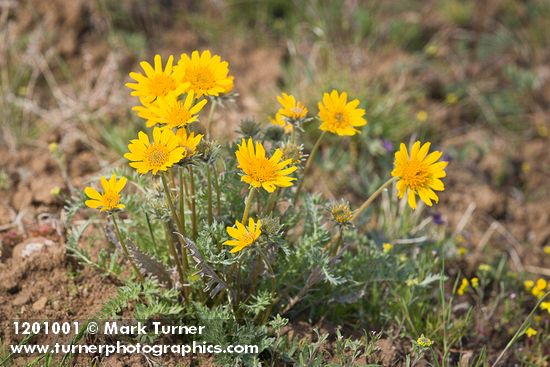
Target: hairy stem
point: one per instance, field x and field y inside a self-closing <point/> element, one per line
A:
<point x="193" y="204"/>
<point x="209" y="193"/>
<point x="371" y="198"/>
<point x="247" y="204"/>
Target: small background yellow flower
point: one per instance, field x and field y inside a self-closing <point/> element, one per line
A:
<point x="387" y="247"/>
<point x="290" y="110"/>
<point x="424" y="342"/>
<point x="110" y="199"/>
<point x="530" y="332"/>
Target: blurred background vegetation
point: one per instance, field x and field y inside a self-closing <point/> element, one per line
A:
<point x="471" y="76"/>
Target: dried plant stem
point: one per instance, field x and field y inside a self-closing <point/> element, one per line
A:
<point x="193" y="204"/>
<point x="174" y="254"/>
<point x="124" y="248"/>
<point x="209" y="193"/>
<point x="247" y="204"/>
<point x="308" y="165"/>
<point x="371" y="198"/>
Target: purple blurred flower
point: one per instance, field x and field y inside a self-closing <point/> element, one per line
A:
<point x="387" y="145"/>
<point x="438" y="218"/>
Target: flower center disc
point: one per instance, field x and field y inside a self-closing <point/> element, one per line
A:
<point x="202" y="79"/>
<point x="111" y="199"/>
<point x="415" y="174"/>
<point x="340" y="119"/>
<point x="161" y="84"/>
<point x="157" y="155"/>
<point x="178" y="115"/>
<point x="262" y="170"/>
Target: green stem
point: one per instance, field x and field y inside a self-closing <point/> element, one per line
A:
<point x="218" y="193"/>
<point x="124" y="248"/>
<point x="338" y="241"/>
<point x="151" y="232"/>
<point x="248" y="202"/>
<point x="272" y="201"/>
<point x="193" y="204"/>
<point x="371" y="198"/>
<point x="273" y="284"/>
<point x="255" y="274"/>
<point x="182" y="200"/>
<point x="521" y="329"/>
<point x="308" y="165"/>
<point x="209" y="193"/>
<point x="181" y="268"/>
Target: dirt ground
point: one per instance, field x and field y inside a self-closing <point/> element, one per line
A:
<point x="494" y="213"/>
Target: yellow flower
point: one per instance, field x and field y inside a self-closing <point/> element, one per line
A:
<point x="419" y="174"/>
<point x="157" y="156"/>
<point x="539" y="288"/>
<point x="387" y="247"/>
<point x="156" y="82"/>
<point x="422" y="116"/>
<point x="189" y="141"/>
<point x="546" y="249"/>
<point x="462" y="250"/>
<point x="53" y="147"/>
<point x="291" y="110"/>
<point x="545" y="306"/>
<point x="110" y="198"/>
<point x="431" y="50"/>
<point x="55" y="191"/>
<point x="531" y="332"/>
<point x="171" y="111"/>
<point x="206" y="75"/>
<point x="485" y="267"/>
<point x="260" y="171"/>
<point x="424" y="342"/>
<point x="528" y="284"/>
<point x="475" y="282"/>
<point x="243" y="236"/>
<point x="338" y="116"/>
<point x="463" y="287"/>
<point x="451" y="98"/>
